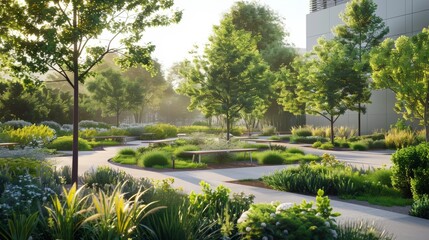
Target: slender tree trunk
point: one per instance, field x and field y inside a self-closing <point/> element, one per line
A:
<point x="332" y="129"/>
<point x="359" y="123"/>
<point x="117" y="118"/>
<point x="75" y="149"/>
<point x="227" y="126"/>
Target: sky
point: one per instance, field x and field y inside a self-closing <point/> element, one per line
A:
<point x="174" y="42"/>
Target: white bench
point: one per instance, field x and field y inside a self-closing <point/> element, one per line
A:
<point x="206" y="152"/>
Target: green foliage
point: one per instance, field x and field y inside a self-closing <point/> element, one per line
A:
<point x="396" y="138"/>
<point x="178" y="152"/>
<point x="52" y="124"/>
<point x="327" y="146"/>
<point x="20" y="227"/>
<point x="200" y="123"/>
<point x="127" y="151"/>
<point x="215" y="204"/>
<point x="135" y="131"/>
<point x="317" y="144"/>
<point x="410" y="170"/>
<point x="362" y="230"/>
<point x="407" y="79"/>
<point x="15" y="124"/>
<point x="161" y="131"/>
<point x="270" y="158"/>
<point x="310" y="140"/>
<point x="341" y="142"/>
<point x="33" y="135"/>
<point x="268" y="131"/>
<point x="153" y="158"/>
<point x="231" y="77"/>
<point x="288" y="220"/>
<point x="93" y="124"/>
<point x="65" y="143"/>
<point x="295" y="150"/>
<point x="302" y="131"/>
<point x="359" y="145"/>
<point x="379" y="144"/>
<point x="420" y="207"/>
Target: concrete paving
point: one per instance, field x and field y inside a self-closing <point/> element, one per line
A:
<point x="400" y="225"/>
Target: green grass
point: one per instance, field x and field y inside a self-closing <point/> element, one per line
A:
<point x="125" y="159"/>
<point x="104" y="143"/>
<point x="387" y="201"/>
<point x="291" y="158"/>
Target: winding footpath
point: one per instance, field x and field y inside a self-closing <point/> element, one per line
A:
<point x="402" y="226"/>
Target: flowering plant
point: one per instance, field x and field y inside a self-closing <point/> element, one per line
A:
<point x="289" y="221"/>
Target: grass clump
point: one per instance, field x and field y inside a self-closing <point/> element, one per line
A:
<point x="295" y="150"/>
<point x="359" y="145"/>
<point x="65" y="143"/>
<point x="270" y="158"/>
<point x="178" y="152"/>
<point x="153" y="158"/>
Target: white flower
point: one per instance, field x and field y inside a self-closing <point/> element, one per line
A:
<point x="272" y="215"/>
<point x="334" y="233"/>
<point x="263" y="224"/>
<point x="318" y="214"/>
<point x="243" y="217"/>
<point x="286" y="232"/>
<point x="283" y="207"/>
<point x="327" y="224"/>
<point x="264" y="238"/>
<point x="248" y="229"/>
<point x="277" y="223"/>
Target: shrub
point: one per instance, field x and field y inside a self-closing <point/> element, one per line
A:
<point x="309" y="140"/>
<point x="396" y="138"/>
<point x="295" y="150"/>
<point x="420" y="207"/>
<point x="285" y="138"/>
<point x="113" y="131"/>
<point x="87" y="133"/>
<point x="127" y="151"/>
<point x="161" y="130"/>
<point x="301" y="131"/>
<point x="34" y="136"/>
<point x="65" y="143"/>
<point x="93" y="124"/>
<point x="410" y="165"/>
<point x="362" y="230"/>
<point x="318" y="131"/>
<point x="67" y="127"/>
<point x="52" y="124"/>
<point x="317" y="144"/>
<point x="289" y="221"/>
<point x="153" y="158"/>
<point x="200" y="123"/>
<point x="271" y="158"/>
<point x="237" y="131"/>
<point x="359" y="146"/>
<point x="135" y="131"/>
<point x="327" y="146"/>
<point x="268" y="131"/>
<point x="178" y="152"/>
<point x="341" y="142"/>
<point x="15" y="124"/>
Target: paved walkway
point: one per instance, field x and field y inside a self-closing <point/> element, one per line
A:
<point x="401" y="225"/>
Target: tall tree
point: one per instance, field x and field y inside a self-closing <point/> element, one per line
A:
<point x="323" y="84"/>
<point x="115" y="94"/>
<point x="229" y="78"/>
<point x="403" y="66"/>
<point x="267" y="27"/>
<point x="361" y="31"/>
<point x="65" y="36"/>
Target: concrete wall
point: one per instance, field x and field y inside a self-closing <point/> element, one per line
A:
<point x="403" y="17"/>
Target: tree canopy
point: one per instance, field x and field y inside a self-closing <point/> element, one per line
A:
<point x="230" y="77"/>
<point x="361" y="31"/>
<point x="321" y="83"/>
<point x="402" y="66"/>
<point x="67" y="37"/>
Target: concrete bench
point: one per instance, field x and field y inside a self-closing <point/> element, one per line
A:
<point x="206" y="152"/>
<point x="160" y="141"/>
<point x="259" y="140"/>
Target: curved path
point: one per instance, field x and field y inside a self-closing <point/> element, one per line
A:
<point x="401" y="225"/>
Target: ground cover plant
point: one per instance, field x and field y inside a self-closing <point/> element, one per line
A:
<point x="336" y="178"/>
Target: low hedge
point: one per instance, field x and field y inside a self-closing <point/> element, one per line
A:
<point x="65" y="143"/>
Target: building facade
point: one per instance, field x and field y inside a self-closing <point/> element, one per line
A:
<point x="403" y="17"/>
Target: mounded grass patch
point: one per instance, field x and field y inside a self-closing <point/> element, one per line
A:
<point x="153" y="158"/>
<point x="270" y="158"/>
<point x="65" y="143"/>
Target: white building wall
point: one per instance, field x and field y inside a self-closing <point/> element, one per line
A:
<point x="403" y="17"/>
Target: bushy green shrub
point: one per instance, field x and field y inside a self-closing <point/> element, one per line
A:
<point x="359" y="145"/>
<point x="128" y="151"/>
<point x="301" y="131"/>
<point x="396" y="138"/>
<point x="327" y="146"/>
<point x="93" y="124"/>
<point x="270" y="158"/>
<point x="135" y="131"/>
<point x="295" y="150"/>
<point x="379" y="144"/>
<point x="200" y="123"/>
<point x="88" y="133"/>
<point x="65" y="143"/>
<point x="52" y="124"/>
<point x="34" y="136"/>
<point x="113" y="131"/>
<point x="178" y="152"/>
<point x="161" y="130"/>
<point x="341" y="142"/>
<point x="420" y="207"/>
<point x="289" y="221"/>
<point x="268" y="131"/>
<point x="153" y="158"/>
<point x="199" y="129"/>
<point x="15" y="124"/>
<point x="317" y="144"/>
<point x="411" y="164"/>
<point x="309" y="140"/>
<point x="19" y="166"/>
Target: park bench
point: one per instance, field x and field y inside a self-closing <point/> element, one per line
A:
<point x="259" y="140"/>
<point x="160" y="141"/>
<point x="10" y="144"/>
<point x="206" y="152"/>
<point x="121" y="139"/>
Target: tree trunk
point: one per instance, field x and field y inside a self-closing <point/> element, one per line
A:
<point x="359" y="111"/>
<point x="117" y="118"/>
<point x="332" y="129"/>
<point x="425" y="116"/>
<point x="227" y="127"/>
<point x="75" y="148"/>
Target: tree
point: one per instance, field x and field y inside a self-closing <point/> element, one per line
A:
<point x="361" y="31"/>
<point x="65" y="37"/>
<point x="115" y="94"/>
<point x="322" y="84"/>
<point x="402" y="66"/>
<point x="229" y="78"/>
<point x="267" y="27"/>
